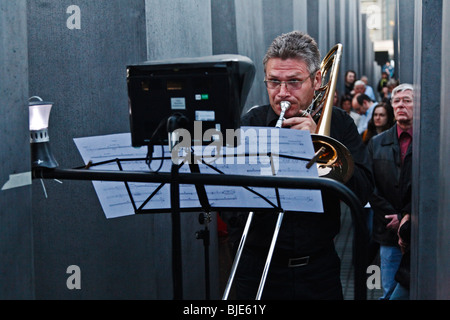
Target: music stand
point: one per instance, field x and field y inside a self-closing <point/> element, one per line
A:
<point x="343" y="192"/>
<point x="175" y="210"/>
<point x="239" y="72"/>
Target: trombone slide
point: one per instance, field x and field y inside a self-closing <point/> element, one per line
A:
<point x="268" y="259"/>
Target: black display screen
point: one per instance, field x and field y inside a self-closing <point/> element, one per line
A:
<point x="211" y="90"/>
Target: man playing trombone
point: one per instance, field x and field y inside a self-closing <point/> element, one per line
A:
<point x="304" y="264"/>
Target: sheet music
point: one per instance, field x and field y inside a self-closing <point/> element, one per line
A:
<point x="264" y="159"/>
<point x="271" y="148"/>
<point x="113" y="196"/>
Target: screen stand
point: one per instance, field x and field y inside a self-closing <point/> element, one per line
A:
<point x="204" y="219"/>
<point x="174" y="122"/>
<point x="176" y="234"/>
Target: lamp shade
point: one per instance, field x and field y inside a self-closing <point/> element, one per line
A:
<point x="39" y="115"/>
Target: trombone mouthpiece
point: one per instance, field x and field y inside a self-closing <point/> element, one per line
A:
<point x="285" y="105"/>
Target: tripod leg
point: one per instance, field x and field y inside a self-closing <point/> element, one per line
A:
<point x="238" y="257"/>
<point x="205" y="218"/>
<point x="269" y="255"/>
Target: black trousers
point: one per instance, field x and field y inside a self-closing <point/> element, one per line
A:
<point x="319" y="279"/>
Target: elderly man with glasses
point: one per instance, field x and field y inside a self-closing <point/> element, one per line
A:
<point x="391" y="154"/>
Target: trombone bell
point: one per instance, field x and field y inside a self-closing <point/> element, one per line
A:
<point x="335" y="161"/>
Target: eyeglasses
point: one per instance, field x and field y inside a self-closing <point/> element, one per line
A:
<point x="405" y="100"/>
<point x="291" y="85"/>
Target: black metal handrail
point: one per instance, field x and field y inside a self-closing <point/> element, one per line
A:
<point x="344" y="193"/>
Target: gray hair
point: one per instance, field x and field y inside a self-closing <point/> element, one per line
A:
<point x="295" y="45"/>
<point x="402" y="87"/>
<point x="359" y="83"/>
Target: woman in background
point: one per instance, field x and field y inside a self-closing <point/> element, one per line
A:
<point x="382" y="119"/>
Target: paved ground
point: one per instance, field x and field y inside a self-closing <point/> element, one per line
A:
<point x="344" y="248"/>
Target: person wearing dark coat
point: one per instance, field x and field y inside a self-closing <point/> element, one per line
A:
<point x="305" y="264"/>
<point x="391" y="155"/>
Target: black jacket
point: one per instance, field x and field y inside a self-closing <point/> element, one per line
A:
<point x="392" y="193"/>
<point x="303" y="233"/>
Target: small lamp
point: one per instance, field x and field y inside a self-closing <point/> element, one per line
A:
<point x="41" y="155"/>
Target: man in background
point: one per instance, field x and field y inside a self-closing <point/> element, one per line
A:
<point x="364" y="106"/>
<point x="391" y="154"/>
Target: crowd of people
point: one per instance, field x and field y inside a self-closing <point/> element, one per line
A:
<point x="360" y="100"/>
<point x="377" y="131"/>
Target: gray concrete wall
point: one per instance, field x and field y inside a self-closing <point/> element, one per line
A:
<point x="83" y="71"/>
<point x="251" y="43"/>
<point x="300" y="13"/>
<point x="405" y="64"/>
<point x="223" y="25"/>
<point x="443" y="236"/>
<point x="178" y="28"/>
<point x="426" y="142"/>
<point x="16" y="250"/>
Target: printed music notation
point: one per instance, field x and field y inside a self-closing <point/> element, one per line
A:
<point x="273" y="155"/>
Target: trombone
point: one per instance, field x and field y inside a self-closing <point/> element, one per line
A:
<point x="332" y="158"/>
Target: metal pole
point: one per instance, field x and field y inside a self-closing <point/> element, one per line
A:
<point x="238" y="256"/>
<point x="269" y="255"/>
